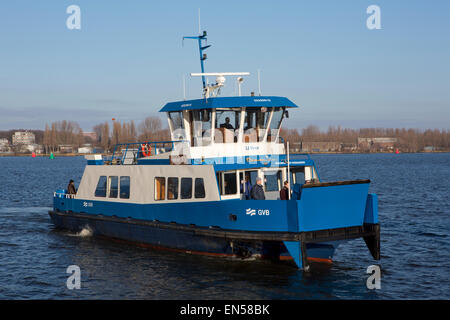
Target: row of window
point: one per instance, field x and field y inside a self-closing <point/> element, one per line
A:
<point x="113" y="186"/>
<point x="257" y="121"/>
<point x="185" y="190"/>
<point x="228" y="183"/>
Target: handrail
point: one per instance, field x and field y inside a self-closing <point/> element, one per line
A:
<point x="152" y="144"/>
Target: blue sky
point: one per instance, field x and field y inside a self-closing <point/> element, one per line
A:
<point x="127" y="60"/>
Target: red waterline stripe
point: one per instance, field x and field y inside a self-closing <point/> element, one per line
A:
<point x="321" y="260"/>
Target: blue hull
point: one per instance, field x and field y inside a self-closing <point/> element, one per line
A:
<point x="185" y="238"/>
<point x="309" y="228"/>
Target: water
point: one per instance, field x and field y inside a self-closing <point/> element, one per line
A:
<point x="414" y="210"/>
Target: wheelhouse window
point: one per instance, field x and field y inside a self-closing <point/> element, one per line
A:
<point x="172" y="188"/>
<point x="226" y="125"/>
<point x="186" y="188"/>
<point x="255" y="124"/>
<point x="113" y="186"/>
<point x="177" y="121"/>
<point x="125" y="187"/>
<point x="160" y="188"/>
<point x="100" y="191"/>
<point x="275" y="124"/>
<point x="201" y="127"/>
<point x="199" y="188"/>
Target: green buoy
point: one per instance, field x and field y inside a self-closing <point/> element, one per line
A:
<point x="52" y="156"/>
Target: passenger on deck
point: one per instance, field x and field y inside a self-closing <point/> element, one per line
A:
<point x="284" y="193"/>
<point x="227" y="124"/>
<point x="246" y="187"/>
<point x="257" y="192"/>
<point x="71" y="188"/>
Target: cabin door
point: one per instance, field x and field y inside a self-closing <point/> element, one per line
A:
<point x="247" y="180"/>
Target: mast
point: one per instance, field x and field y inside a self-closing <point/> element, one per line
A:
<point x="200" y="38"/>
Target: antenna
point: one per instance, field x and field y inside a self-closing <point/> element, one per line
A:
<point x="184" y="88"/>
<point x="199" y="29"/>
<point x="259" y="81"/>
<point x="209" y="90"/>
<point x="239" y="81"/>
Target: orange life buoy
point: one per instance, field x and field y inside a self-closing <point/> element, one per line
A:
<point x="146" y="150"/>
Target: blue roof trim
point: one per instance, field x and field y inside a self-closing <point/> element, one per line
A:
<point x="229" y="102"/>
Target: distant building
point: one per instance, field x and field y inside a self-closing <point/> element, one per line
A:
<point x="90" y="135"/>
<point x="376" y="143"/>
<point x="86" y="148"/>
<point x="65" y="148"/>
<point x="4" y="146"/>
<point x="348" y="147"/>
<point x="429" y="149"/>
<point x="4" y="142"/>
<point x="23" y="137"/>
<point x="320" y="146"/>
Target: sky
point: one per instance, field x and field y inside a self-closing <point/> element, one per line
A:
<point x="128" y="59"/>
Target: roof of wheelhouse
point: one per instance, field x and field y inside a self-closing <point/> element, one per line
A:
<point x="229" y="102"/>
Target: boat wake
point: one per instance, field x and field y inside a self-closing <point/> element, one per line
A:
<point x="85" y="232"/>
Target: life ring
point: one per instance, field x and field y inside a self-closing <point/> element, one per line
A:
<point x="146" y="150"/>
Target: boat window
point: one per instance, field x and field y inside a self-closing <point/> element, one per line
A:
<point x="255" y="124"/>
<point x="201" y="127"/>
<point x="227" y="126"/>
<point x="113" y="186"/>
<point x="160" y="188"/>
<point x="177" y="125"/>
<point x="177" y="119"/>
<point x="172" y="188"/>
<point x="275" y="124"/>
<point x="230" y="183"/>
<point x="297" y="176"/>
<point x="272" y="180"/>
<point x="100" y="191"/>
<point x="199" y="188"/>
<point x="186" y="188"/>
<point x="125" y="187"/>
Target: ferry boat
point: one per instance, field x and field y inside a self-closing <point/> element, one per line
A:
<point x="193" y="194"/>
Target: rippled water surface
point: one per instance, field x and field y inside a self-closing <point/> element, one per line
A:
<point x="414" y="209"/>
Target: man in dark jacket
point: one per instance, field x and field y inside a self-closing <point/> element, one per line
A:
<point x="246" y="187"/>
<point x="71" y="188"/>
<point x="257" y="192"/>
<point x="284" y="193"/>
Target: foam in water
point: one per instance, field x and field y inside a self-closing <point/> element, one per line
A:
<point x="85" y="232"/>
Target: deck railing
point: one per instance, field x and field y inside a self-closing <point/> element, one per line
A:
<point x="132" y="151"/>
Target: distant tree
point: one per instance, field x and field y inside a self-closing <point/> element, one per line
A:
<point x="150" y="129"/>
<point x="117" y="134"/>
<point x="105" y="142"/>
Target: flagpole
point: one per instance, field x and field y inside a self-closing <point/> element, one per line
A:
<point x="288" y="173"/>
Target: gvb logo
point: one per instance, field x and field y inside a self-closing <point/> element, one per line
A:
<point x="260" y="212"/>
<point x="374" y="280"/>
<point x="74" y="280"/>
